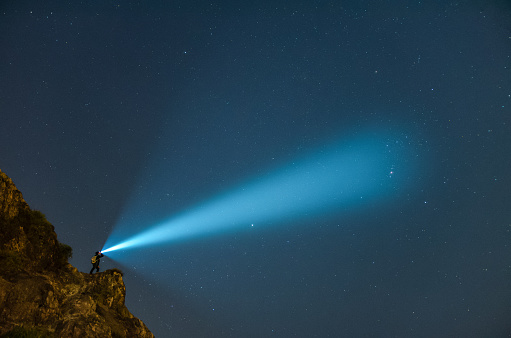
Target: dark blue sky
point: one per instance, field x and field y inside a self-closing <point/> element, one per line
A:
<point x="121" y="111"/>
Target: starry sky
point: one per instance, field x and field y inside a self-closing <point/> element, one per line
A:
<point x="123" y="112"/>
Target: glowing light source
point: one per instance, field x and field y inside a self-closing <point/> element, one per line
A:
<point x="333" y="178"/>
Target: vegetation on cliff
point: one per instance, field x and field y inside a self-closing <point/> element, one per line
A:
<point x="28" y="242"/>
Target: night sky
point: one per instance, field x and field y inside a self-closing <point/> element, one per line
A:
<point x="118" y="115"/>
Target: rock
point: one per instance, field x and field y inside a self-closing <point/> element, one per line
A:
<point x="40" y="291"/>
<point x="11" y="200"/>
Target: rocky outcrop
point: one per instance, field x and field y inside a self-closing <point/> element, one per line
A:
<point x="11" y="200"/>
<point x="40" y="290"/>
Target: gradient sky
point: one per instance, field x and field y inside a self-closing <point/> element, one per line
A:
<point x="119" y="114"/>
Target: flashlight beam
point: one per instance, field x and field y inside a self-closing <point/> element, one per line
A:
<point x="326" y="182"/>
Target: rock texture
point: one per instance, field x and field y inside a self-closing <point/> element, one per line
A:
<point x="41" y="292"/>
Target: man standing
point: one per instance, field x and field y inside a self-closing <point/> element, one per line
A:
<point x="95" y="261"/>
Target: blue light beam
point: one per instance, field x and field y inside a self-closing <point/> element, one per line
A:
<point x="331" y="180"/>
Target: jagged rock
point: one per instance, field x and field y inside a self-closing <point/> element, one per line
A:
<point x="39" y="289"/>
<point x="11" y="200"/>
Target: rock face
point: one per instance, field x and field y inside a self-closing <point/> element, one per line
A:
<point x="41" y="292"/>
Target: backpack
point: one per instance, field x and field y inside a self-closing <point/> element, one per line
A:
<point x="93" y="259"/>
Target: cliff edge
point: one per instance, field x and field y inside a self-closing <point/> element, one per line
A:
<point x="41" y="294"/>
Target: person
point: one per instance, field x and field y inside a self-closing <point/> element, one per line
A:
<point x="95" y="261"/>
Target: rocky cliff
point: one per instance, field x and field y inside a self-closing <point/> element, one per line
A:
<point x="41" y="294"/>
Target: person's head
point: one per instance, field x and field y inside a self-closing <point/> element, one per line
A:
<point x="97" y="252"/>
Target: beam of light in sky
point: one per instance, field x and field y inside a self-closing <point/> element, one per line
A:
<point x="330" y="180"/>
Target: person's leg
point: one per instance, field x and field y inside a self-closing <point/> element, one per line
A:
<point x="95" y="266"/>
<point x="91" y="270"/>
